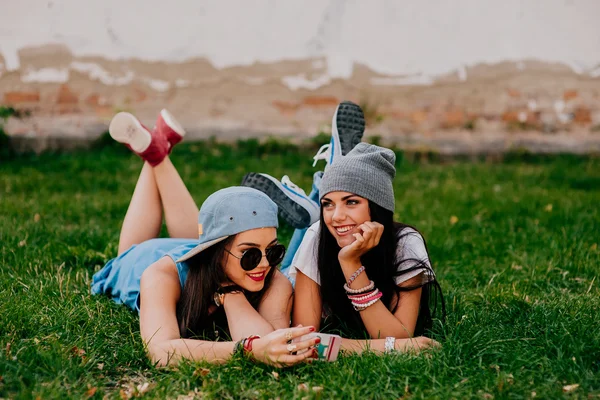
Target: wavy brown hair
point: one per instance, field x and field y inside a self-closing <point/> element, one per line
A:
<point x="205" y="275"/>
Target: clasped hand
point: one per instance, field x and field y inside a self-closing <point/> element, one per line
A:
<point x="367" y="239"/>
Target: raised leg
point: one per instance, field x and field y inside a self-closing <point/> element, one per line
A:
<point x="144" y="215"/>
<point x="181" y="212"/>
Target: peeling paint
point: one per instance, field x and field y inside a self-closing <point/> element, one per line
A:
<point x="301" y="82"/>
<point x="45" y="75"/>
<point x="96" y="72"/>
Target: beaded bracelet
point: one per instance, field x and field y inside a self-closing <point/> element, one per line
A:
<point x="363" y="290"/>
<point x="364" y="306"/>
<point x="363" y="297"/>
<point x="367" y="299"/>
<point x="355" y="275"/>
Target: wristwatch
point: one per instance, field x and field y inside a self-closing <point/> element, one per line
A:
<point x="219" y="296"/>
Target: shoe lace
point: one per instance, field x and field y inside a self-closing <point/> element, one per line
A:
<point x="322" y="154"/>
<point x="287" y="182"/>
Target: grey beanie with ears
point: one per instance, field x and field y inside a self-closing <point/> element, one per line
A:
<point x="367" y="170"/>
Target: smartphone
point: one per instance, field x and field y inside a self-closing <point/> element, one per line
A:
<point x="329" y="347"/>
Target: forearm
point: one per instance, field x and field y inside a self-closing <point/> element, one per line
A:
<point x="172" y="351"/>
<point x="378" y="345"/>
<point x="381" y="323"/>
<point x="243" y="319"/>
<point x="359" y="346"/>
<point x="308" y="305"/>
<point x="378" y="320"/>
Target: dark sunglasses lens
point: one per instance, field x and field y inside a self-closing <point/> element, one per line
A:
<point x="275" y="254"/>
<point x="251" y="259"/>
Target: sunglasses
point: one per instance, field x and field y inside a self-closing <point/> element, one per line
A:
<point x="252" y="257"/>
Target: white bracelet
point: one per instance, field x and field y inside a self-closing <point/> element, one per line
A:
<point x="363" y="307"/>
<point x="370" y="286"/>
<point x="390" y="344"/>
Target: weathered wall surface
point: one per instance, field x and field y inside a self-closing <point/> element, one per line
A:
<point x="468" y="72"/>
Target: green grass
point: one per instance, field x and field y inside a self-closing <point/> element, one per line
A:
<point x="519" y="268"/>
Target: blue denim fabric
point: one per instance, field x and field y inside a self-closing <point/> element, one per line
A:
<point x="299" y="233"/>
<point x="120" y="277"/>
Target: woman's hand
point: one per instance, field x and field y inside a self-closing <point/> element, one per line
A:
<point x="371" y="234"/>
<point x="274" y="349"/>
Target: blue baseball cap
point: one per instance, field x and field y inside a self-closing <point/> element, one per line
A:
<point x="230" y="211"/>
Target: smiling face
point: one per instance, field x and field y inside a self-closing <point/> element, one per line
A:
<point x="253" y="280"/>
<point x="343" y="212"/>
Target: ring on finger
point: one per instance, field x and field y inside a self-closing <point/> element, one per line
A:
<point x="288" y="335"/>
<point x="291" y="347"/>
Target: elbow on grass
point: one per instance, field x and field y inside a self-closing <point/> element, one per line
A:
<point x="158" y="357"/>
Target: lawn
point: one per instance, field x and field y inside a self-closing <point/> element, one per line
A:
<point x="514" y="243"/>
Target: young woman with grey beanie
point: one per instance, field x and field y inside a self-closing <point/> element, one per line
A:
<point x="368" y="276"/>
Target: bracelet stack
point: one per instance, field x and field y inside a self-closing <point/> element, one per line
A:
<point x="362" y="298"/>
<point x="244" y="346"/>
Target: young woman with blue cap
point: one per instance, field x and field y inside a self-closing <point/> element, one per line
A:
<point x="216" y="278"/>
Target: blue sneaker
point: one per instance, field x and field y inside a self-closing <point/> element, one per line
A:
<point x="347" y="130"/>
<point x="294" y="205"/>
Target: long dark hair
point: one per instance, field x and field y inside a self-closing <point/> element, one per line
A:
<point x="205" y="276"/>
<point x="383" y="267"/>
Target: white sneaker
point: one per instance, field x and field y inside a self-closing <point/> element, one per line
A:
<point x="347" y="130"/>
<point x="294" y="205"/>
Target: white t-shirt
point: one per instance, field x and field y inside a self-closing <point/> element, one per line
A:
<point x="410" y="246"/>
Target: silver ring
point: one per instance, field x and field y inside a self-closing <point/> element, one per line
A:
<point x="288" y="335"/>
<point x="291" y="347"/>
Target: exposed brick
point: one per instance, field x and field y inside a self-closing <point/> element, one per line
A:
<point x="104" y="111"/>
<point x="533" y="117"/>
<point x="582" y="115"/>
<point x="320" y="101"/>
<point x="139" y="95"/>
<point x="21" y="97"/>
<point x="515" y="94"/>
<point x="570" y="95"/>
<point x="66" y="109"/>
<point x="510" y="116"/>
<point x="93" y="100"/>
<point x="66" y="96"/>
<point x="395" y="114"/>
<point x="418" y="117"/>
<point x="453" y="119"/>
<point x="285" y="108"/>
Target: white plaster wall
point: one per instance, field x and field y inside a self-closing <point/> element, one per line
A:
<point x="427" y="37"/>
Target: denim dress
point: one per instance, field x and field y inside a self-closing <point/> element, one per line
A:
<point x="120" y="277"/>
